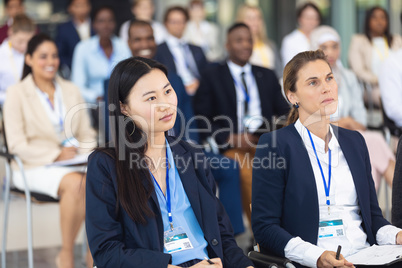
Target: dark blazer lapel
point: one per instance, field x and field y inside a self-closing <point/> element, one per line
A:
<point x="229" y="87"/>
<point x="309" y="186"/>
<point x="351" y="154"/>
<point x="262" y="89"/>
<point x="188" y="176"/>
<point x="169" y="57"/>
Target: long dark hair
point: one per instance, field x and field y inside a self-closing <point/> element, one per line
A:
<point x="369" y="14"/>
<point x="290" y="75"/>
<point x="134" y="182"/>
<point x="33" y="44"/>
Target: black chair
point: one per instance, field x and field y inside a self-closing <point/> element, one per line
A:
<point x="390" y="128"/>
<point x="263" y="258"/>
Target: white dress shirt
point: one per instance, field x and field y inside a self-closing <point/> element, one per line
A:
<point x="254" y="105"/>
<point x="292" y="44"/>
<point x="57" y="112"/>
<point x="343" y="205"/>
<point x="380" y="52"/>
<point x="83" y="29"/>
<point x="390" y="81"/>
<point x="12" y="63"/>
<point x="183" y="58"/>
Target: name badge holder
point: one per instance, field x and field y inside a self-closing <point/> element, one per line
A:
<point x="331" y="225"/>
<point x="175" y="239"/>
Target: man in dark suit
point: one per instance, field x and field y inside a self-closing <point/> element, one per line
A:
<point x="12" y="8"/>
<point x="245" y="97"/>
<point x="142" y="43"/>
<point x="73" y="31"/>
<point x="188" y="61"/>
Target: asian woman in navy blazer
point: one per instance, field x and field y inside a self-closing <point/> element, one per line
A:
<point x="150" y="198"/>
<point x="312" y="186"/>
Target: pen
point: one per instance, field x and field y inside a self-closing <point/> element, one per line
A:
<point x="338" y="252"/>
<point x="208" y="260"/>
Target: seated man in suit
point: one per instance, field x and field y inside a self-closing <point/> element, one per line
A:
<point x="188" y="61"/>
<point x="142" y="43"/>
<point x="12" y="8"/>
<point x="245" y="97"/>
<point x="73" y="31"/>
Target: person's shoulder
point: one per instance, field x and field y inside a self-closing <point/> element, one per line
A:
<point x="282" y="136"/>
<point x="102" y="156"/>
<point x="359" y="38"/>
<point x="349" y="74"/>
<point x="180" y="145"/>
<point x="67" y="85"/>
<point x="351" y="136"/>
<point x="266" y="71"/>
<point x="215" y="69"/>
<point x="65" y="25"/>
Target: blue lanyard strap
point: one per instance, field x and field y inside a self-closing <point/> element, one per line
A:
<point x="246" y="95"/>
<point x="327" y="188"/>
<point x="167" y="198"/>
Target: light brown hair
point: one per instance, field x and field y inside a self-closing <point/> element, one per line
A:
<point x="290" y="75"/>
<point x="22" y="23"/>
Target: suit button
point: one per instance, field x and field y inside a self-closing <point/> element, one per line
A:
<point x="214" y="242"/>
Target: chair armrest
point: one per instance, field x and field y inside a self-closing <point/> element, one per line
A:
<point x="261" y="260"/>
<point x="7" y="156"/>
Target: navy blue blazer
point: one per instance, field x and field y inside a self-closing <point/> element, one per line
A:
<point x="165" y="56"/>
<point x="216" y="96"/>
<point x="117" y="241"/>
<point x="66" y="39"/>
<point x="284" y="199"/>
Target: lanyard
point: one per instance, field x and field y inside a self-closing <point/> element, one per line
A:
<point x="53" y="107"/>
<point x="378" y="51"/>
<point x="246" y="95"/>
<point x="326" y="187"/>
<point x="167" y="198"/>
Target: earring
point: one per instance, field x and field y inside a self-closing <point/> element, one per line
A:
<point x="129" y="118"/>
<point x="296" y="105"/>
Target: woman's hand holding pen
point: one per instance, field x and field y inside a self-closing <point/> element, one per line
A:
<point x="67" y="153"/>
<point x="328" y="259"/>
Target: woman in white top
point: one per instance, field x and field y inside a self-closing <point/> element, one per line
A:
<point x="351" y="113"/>
<point x="144" y="10"/>
<point x="265" y="53"/>
<point x="44" y="124"/>
<point x="203" y="33"/>
<point x="367" y="51"/>
<point x="308" y="18"/>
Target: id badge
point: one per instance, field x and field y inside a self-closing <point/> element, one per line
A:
<point x="330" y="228"/>
<point x="176" y="240"/>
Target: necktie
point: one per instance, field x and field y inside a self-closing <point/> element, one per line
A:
<point x="243" y="80"/>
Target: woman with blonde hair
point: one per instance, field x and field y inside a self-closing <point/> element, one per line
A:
<point x="312" y="185"/>
<point x="351" y="113"/>
<point x="265" y="53"/>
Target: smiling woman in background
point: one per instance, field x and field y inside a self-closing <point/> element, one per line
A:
<point x="325" y="182"/>
<point x="35" y="113"/>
